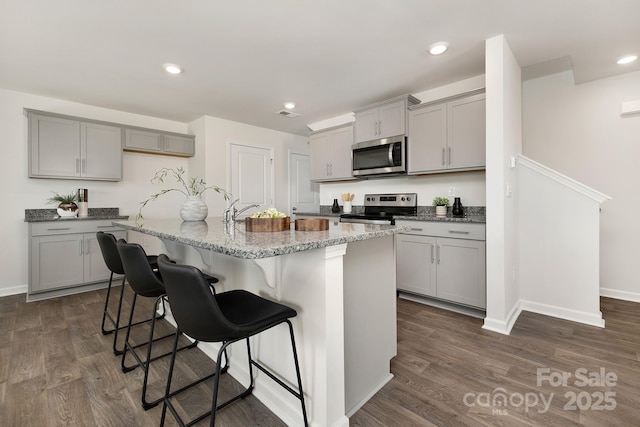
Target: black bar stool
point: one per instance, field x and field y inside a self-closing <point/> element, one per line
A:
<point x="225" y="317"/>
<point x="108" y="247"/>
<point x="148" y="283"/>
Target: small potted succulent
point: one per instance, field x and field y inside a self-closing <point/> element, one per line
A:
<point x="441" y="204"/>
<point x="67" y="207"/>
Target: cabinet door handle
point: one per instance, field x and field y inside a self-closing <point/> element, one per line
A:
<point x="449" y="156"/>
<point x="438" y="253"/>
<point x="442" y="156"/>
<point x="330" y="169"/>
<point x="415" y="229"/>
<point x="80" y="242"/>
<point x="379" y="127"/>
<point x="84" y="166"/>
<point x="327" y="169"/>
<point x="433" y="250"/>
<point x="58" y="229"/>
<point x="458" y="232"/>
<point x="77" y="165"/>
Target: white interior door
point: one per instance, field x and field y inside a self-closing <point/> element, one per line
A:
<point x="251" y="176"/>
<point x="303" y="194"/>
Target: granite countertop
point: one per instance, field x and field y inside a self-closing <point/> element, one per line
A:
<point x="211" y="235"/>
<point x="449" y="218"/>
<point x="473" y="214"/>
<point x="44" y="215"/>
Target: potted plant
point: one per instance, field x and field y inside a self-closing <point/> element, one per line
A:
<point x="194" y="208"/>
<point x="441" y="204"/>
<point x="67" y="207"/>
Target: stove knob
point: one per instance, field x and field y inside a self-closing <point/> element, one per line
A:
<point x="368" y="199"/>
<point x="402" y="198"/>
<point x="408" y="198"/>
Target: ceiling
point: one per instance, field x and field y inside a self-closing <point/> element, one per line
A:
<point x="243" y="59"/>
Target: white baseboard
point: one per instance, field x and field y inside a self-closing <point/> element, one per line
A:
<point x="594" y="319"/>
<point x="13" y="290"/>
<point x="623" y="295"/>
<point x="503" y="326"/>
<point x="366" y="398"/>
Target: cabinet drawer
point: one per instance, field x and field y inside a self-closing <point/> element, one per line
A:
<point x="72" y="226"/>
<point x="454" y="230"/>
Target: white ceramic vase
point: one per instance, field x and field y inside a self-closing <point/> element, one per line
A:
<point x="194" y="209"/>
<point x="441" y="211"/>
<point x="67" y="210"/>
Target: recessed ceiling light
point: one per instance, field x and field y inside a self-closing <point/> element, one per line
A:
<point x="172" y="68"/>
<point x="289" y="105"/>
<point x="438" y="48"/>
<point x="627" y="59"/>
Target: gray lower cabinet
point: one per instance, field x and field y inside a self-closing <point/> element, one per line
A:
<point x="65" y="255"/>
<point x="157" y="142"/>
<point x="70" y="148"/>
<point x="443" y="260"/>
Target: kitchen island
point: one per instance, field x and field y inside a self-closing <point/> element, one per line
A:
<point x="341" y="282"/>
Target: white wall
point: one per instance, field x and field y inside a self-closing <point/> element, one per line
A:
<point x="578" y="131"/>
<point x="558" y="250"/>
<point x="20" y="192"/>
<point x="504" y="140"/>
<point x="219" y="133"/>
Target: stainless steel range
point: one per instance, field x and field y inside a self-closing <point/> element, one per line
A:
<point x="380" y="208"/>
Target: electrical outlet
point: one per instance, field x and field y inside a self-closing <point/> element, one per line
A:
<point x="452" y="191"/>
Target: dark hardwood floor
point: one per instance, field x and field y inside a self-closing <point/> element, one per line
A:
<point x="56" y="369"/>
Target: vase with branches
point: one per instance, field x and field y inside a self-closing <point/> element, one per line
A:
<point x="194" y="208"/>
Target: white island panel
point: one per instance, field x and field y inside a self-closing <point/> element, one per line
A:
<point x="342" y="284"/>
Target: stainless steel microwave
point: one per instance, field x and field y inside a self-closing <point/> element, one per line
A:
<point x="385" y="156"/>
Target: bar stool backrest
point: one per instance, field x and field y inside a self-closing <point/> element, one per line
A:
<point x="109" y="249"/>
<point x="143" y="280"/>
<point x="194" y="305"/>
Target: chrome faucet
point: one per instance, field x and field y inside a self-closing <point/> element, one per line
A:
<point x="237" y="212"/>
<point x="231" y="213"/>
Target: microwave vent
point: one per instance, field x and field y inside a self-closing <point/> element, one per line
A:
<point x="286" y="113"/>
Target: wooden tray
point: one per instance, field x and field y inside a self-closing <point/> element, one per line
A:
<point x="268" y="224"/>
<point x="312" y="224"/>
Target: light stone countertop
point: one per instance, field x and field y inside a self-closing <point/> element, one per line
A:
<point x="211" y="235"/>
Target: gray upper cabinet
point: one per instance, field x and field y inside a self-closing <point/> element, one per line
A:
<point x="142" y="140"/>
<point x="331" y="154"/>
<point x="72" y="148"/>
<point x="382" y="120"/>
<point x="158" y="142"/>
<point x="447" y="136"/>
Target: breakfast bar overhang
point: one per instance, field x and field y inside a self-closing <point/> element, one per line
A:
<point x="341" y="281"/>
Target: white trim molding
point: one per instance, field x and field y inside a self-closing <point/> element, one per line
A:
<point x="13" y="290"/>
<point x="563" y="313"/>
<point x="618" y="294"/>
<point x="563" y="179"/>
